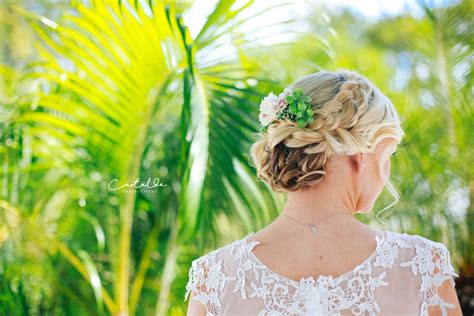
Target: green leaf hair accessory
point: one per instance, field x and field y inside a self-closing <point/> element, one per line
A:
<point x="293" y="105"/>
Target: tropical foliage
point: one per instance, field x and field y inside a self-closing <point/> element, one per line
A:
<point x="125" y="135"/>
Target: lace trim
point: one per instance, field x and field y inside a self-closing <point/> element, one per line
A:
<point x="379" y="243"/>
<point x="207" y="280"/>
<point x="432" y="261"/>
<point x="323" y="296"/>
<point x="353" y="290"/>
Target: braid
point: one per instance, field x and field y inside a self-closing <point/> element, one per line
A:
<point x="334" y="120"/>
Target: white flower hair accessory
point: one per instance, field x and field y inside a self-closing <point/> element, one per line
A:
<point x="293" y="105"/>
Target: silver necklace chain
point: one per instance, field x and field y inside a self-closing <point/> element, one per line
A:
<point x="312" y="226"/>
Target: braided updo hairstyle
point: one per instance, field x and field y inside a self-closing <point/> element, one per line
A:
<point x="351" y="115"/>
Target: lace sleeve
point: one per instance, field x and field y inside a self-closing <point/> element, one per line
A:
<point x="443" y="272"/>
<point x="444" y="267"/>
<point x="206" y="281"/>
<point x="432" y="261"/>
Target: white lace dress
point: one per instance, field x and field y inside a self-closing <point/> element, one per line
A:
<point x="401" y="277"/>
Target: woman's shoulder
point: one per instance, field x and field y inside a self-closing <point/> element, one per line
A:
<point x="222" y="252"/>
<point x="425" y="256"/>
<point x="209" y="272"/>
<point x="406" y="240"/>
<point x="390" y="241"/>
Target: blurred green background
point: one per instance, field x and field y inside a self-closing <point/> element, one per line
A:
<point x="98" y="94"/>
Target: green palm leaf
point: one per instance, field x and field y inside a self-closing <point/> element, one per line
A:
<point x="111" y="74"/>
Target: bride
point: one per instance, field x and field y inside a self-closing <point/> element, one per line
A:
<point x="326" y="141"/>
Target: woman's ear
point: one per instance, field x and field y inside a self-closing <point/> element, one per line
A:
<point x="358" y="162"/>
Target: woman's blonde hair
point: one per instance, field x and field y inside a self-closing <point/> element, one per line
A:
<point x="351" y="115"/>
